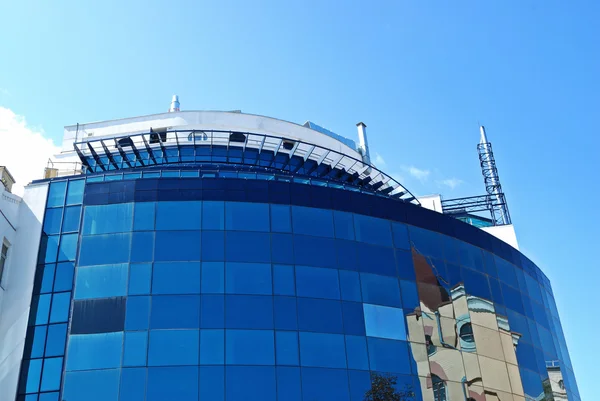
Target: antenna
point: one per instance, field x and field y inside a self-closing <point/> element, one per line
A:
<point x="492" y="180"/>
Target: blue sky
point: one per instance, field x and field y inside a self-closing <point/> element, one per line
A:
<point x="421" y="75"/>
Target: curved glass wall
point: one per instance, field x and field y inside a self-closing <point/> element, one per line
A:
<point x="202" y="289"/>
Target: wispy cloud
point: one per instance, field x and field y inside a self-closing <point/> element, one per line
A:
<point x="379" y="161"/>
<point x="18" y="139"/>
<point x="419" y="174"/>
<point x="451" y="182"/>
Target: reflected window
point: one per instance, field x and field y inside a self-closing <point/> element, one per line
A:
<point x="439" y="388"/>
<point x="431" y="348"/>
<point x="107" y="219"/>
<point x="466" y="333"/>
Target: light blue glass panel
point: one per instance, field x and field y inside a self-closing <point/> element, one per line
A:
<point x="101" y="281"/>
<point x="71" y="219"/>
<point x="94" y="351"/>
<point x="287" y="347"/>
<point x="212" y="347"/>
<point x="213" y="277"/>
<point x="246" y="216"/>
<point x="144" y="216"/>
<point x="43" y="308"/>
<point x="322" y="350"/>
<point x="136" y="346"/>
<point x="34" y="371"/>
<point x="250" y="347"/>
<point x="75" y="192"/>
<point x="213" y="215"/>
<point x="176" y="278"/>
<point x="140" y="275"/>
<point x="312" y="221"/>
<point x="372" y="230"/>
<point x="173" y="347"/>
<point x="172" y="384"/>
<point x="104" y="249"/>
<point x="56" y="194"/>
<point x="52" y="221"/>
<point x="107" y="219"/>
<point x="384" y="322"/>
<point x="94" y="385"/>
<point x="48" y="249"/>
<point x="60" y="307"/>
<point x="317" y="282"/>
<point x="133" y="384"/>
<point x="68" y="247"/>
<point x="212" y="383"/>
<point x="52" y="374"/>
<point x="248" y="278"/>
<point x="137" y="313"/>
<point x="178" y="215"/>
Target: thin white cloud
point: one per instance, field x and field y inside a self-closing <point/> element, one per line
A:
<point x="24" y="150"/>
<point x="418" y="173"/>
<point x="379" y="161"/>
<point x="451" y="182"/>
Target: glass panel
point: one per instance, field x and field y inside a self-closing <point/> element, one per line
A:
<point x="133" y="384"/>
<point x="320" y="384"/>
<point x="250" y="347"/>
<point x="138" y="313"/>
<point x="60" y="307"/>
<point x="172" y="383"/>
<point x="384" y="322"/>
<point x="56" y="194"/>
<point x="344" y="225"/>
<point x="288" y="384"/>
<point x="52" y="221"/>
<point x="142" y="247"/>
<point x="250" y="383"/>
<point x="380" y="290"/>
<point x="247" y="247"/>
<point x="175" y="312"/>
<point x="48" y="249"/>
<point x="34" y="370"/>
<point x="71" y="219"/>
<point x="283" y="280"/>
<point x="47" y="278"/>
<point x="95" y="385"/>
<point x="282" y="248"/>
<point x="356" y="350"/>
<point x="173" y="347"/>
<point x="37" y="336"/>
<point x="42" y="303"/>
<point x="176" y="278"/>
<point x="104" y="249"/>
<point x="212" y="383"/>
<point x="388" y="355"/>
<point x="95" y="351"/>
<point x="144" y="216"/>
<point x="107" y="219"/>
<point x="213" y="215"/>
<point x="280" y="219"/>
<point x="212" y="314"/>
<point x="320" y="315"/>
<point x="400" y="236"/>
<point x="372" y="230"/>
<point x="177" y="246"/>
<point x="178" y="215"/>
<point x="285" y="314"/>
<point x="68" y="247"/>
<point x="314" y="251"/>
<point x="57" y="336"/>
<point x="213" y="245"/>
<point x="248" y="278"/>
<point x="75" y="192"/>
<point x="101" y="281"/>
<point x="139" y="278"/>
<point x="249" y="312"/>
<point x="52" y="374"/>
<point x="312" y="221"/>
<point x="64" y="277"/>
<point x="322" y="350"/>
<point x="317" y="282"/>
<point x="136" y="344"/>
<point x="287" y="347"/>
<point x="213" y="277"/>
<point x="212" y="347"/>
<point x="246" y="216"/>
<point x="350" y="286"/>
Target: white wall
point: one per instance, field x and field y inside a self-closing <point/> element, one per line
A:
<point x="18" y="284"/>
<point x="431" y="202"/>
<point x="505" y="233"/>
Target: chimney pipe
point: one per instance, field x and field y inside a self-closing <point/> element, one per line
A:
<point x="363" y="144"/>
<point x="174" y="104"/>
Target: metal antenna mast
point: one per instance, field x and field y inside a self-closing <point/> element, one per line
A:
<point x="491" y="179"/>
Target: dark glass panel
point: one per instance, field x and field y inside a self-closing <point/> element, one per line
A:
<point x="246" y="216"/>
<point x="213" y="215"/>
<point x="48" y="249"/>
<point x="289" y="384"/>
<point x="213" y="246"/>
<point x="178" y="215"/>
<point x="287" y="348"/>
<point x="172" y="384"/>
<point x="380" y="290"/>
<point x="142" y="247"/>
<point x="249" y="312"/>
<point x="102" y="315"/>
<point x="312" y="221"/>
<point x="354" y="320"/>
<point x="476" y="284"/>
<point x="247" y="247"/>
<point x="173" y="347"/>
<point x="400" y="236"/>
<point x="212" y="314"/>
<point x="175" y="312"/>
<point x="212" y="383"/>
<point x="248" y="278"/>
<point x="250" y="347"/>
<point x="372" y="230"/>
<point x="320" y="384"/>
<point x="322" y="350"/>
<point x="316" y="282"/>
<point x="350" y="286"/>
<point x="280" y="219"/>
<point x="285" y="313"/>
<point x="344" y="225"/>
<point x="282" y="248"/>
<point x="315" y="251"/>
<point x="406" y="269"/>
<point x="177" y="246"/>
<point x="176" y="278"/>
<point x="356" y="351"/>
<point x="320" y="315"/>
<point x="376" y="259"/>
<point x="212" y="347"/>
<point x="284" y="280"/>
<point x="250" y="383"/>
<point x="388" y="355"/>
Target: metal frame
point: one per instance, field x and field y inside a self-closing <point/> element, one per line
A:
<point x="494" y="204"/>
<point x="260" y="150"/>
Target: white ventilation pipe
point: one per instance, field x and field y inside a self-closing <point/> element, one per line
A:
<point x="363" y="144"/>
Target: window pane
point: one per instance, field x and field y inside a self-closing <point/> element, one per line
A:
<point x="344" y="225"/>
<point x="71" y="219"/>
<point x="320" y="384"/>
<point x="354" y="320"/>
<point x="142" y="247"/>
<point x="212" y="383"/>
<point x="400" y="235"/>
<point x="372" y="230"/>
<point x="213" y="277"/>
<point x="285" y="314"/>
<point x="259" y="382"/>
<point x="249" y="312"/>
<point x="104" y="249"/>
<point x="52" y="374"/>
<point x="380" y="290"/>
<point x="287" y="347"/>
<point x="317" y="282"/>
<point x="60" y="307"/>
<point x="42" y="304"/>
<point x="172" y="383"/>
<point x="64" y="277"/>
<point x="177" y="246"/>
<point x="107" y="219"/>
<point x="350" y="286"/>
<point x="213" y="215"/>
<point x="320" y="315"/>
<point x="248" y="278"/>
<point x="56" y="194"/>
<point x="376" y="259"/>
<point x="384" y="322"/>
<point x="34" y="371"/>
<point x="95" y="385"/>
<point x="280" y="219"/>
<point x="356" y="350"/>
<point x="138" y="313"/>
<point x="47" y="278"/>
<point x="250" y="347"/>
<point x="173" y="347"/>
<point x="52" y="221"/>
<point x="68" y="247"/>
<point x="388" y="355"/>
<point x="322" y="350"/>
<point x="175" y="312"/>
<point x="282" y="248"/>
<point x="48" y="249"/>
<point x="176" y="278"/>
<point x="133" y="384"/>
<point x="288" y="384"/>
<point x="136" y="344"/>
<point x="312" y="221"/>
<point x="37" y="337"/>
<point x="95" y="351"/>
<point x="283" y="280"/>
<point x="178" y="215"/>
<point x="212" y="315"/>
<point x="246" y="216"/>
<point x="144" y="215"/>
<point x="248" y="247"/>
<point x="212" y="347"/>
<point x="101" y="281"/>
<point x="57" y="336"/>
<point x="140" y="275"/>
<point x="213" y="245"/>
<point x="313" y="251"/>
<point x="75" y="192"/>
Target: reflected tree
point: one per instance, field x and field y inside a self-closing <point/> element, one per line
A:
<point x="384" y="388"/>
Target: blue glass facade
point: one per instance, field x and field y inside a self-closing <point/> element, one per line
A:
<point x="175" y="287"/>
